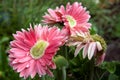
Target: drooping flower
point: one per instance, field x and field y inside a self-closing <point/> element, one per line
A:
<point x="92" y="45"/>
<point x="74" y="17"/>
<point x="33" y="49"/>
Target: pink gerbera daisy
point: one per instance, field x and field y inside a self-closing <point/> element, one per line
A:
<point x="74" y="17"/>
<point x="33" y="49"/>
<point x="90" y="44"/>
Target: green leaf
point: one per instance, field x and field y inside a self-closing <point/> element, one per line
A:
<point x="93" y="30"/>
<point x="109" y="66"/>
<point x="4" y="39"/>
<point x="113" y="77"/>
<point x="1" y="74"/>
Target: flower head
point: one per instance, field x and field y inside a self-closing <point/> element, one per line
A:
<point x="90" y="45"/>
<point x="33" y="49"/>
<point x="74" y="17"/>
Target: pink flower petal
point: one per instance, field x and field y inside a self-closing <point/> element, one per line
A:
<point x="21" y="66"/>
<point x="21" y="60"/>
<point x="100" y="59"/>
<point x="99" y="47"/>
<point x="49" y="72"/>
<point x="85" y="50"/>
<point x="40" y="69"/>
<point x="32" y="69"/>
<point x="79" y="47"/>
<point x="91" y="50"/>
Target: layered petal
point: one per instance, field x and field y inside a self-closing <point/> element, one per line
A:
<point x="74" y="16"/>
<point x="32" y="50"/>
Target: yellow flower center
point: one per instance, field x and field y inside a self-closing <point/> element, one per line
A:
<point x="71" y="21"/>
<point x="38" y="50"/>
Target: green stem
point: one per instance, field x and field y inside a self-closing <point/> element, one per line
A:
<point x="43" y="78"/>
<point x="102" y="75"/>
<point x="63" y="73"/>
<point x="91" y="77"/>
<point x="0" y="58"/>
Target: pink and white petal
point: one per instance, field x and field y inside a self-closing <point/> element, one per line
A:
<point x="85" y="50"/>
<point x="79" y="47"/>
<point x="91" y="50"/>
<point x="25" y="73"/>
<point x="42" y="62"/>
<point x="15" y="61"/>
<point x="73" y="43"/>
<point x="61" y="10"/>
<point x="21" y="45"/>
<point x="24" y="59"/>
<point x="53" y="14"/>
<point x="99" y="47"/>
<point x="40" y="69"/>
<point x="22" y="66"/>
<point x="52" y="65"/>
<point x="32" y="68"/>
<point x="22" y="73"/>
<point x="49" y="73"/>
<point x="17" y="53"/>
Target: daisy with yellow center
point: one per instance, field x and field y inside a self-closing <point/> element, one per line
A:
<point x="74" y="17"/>
<point x="32" y="50"/>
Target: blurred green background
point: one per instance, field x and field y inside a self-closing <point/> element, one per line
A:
<point x="105" y="19"/>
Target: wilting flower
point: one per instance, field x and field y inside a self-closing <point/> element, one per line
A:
<point x="90" y="44"/>
<point x="33" y="49"/>
<point x="74" y="17"/>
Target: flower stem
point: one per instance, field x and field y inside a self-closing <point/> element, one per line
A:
<point x="63" y="73"/>
<point x="91" y="77"/>
<point x="43" y="78"/>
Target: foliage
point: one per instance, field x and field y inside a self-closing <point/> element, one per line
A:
<point x="105" y="17"/>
